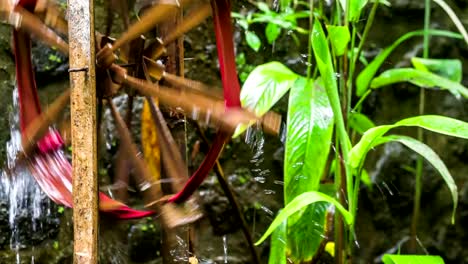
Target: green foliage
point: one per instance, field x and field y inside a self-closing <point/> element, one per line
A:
<point x="355" y="8"/>
<point x="447" y="68"/>
<point x="411" y="259"/>
<point x="309" y="134"/>
<point x="319" y="113"/>
<point x="298" y="204"/>
<point x="253" y="40"/>
<point x="275" y="22"/>
<point x="310" y="127"/>
<point x="419" y="78"/>
<point x="365" y="77"/>
<point x="265" y="85"/>
<point x="425" y="151"/>
<point x="359" y="122"/>
<point x="278" y="245"/>
<point x="339" y="38"/>
<point x="440" y="124"/>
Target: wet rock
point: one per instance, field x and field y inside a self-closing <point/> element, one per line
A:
<point x="48" y="62"/>
<point x="144" y="241"/>
<point x="4" y="225"/>
<point x="7" y="75"/>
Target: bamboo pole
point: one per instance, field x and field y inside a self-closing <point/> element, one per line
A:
<point x="83" y="119"/>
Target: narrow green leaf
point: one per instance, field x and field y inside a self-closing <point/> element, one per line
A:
<point x="298" y="204"/>
<point x="360" y="122"/>
<point x="364" y="78"/>
<point x="425" y="151"/>
<point x="439" y="124"/>
<point x="339" y="38"/>
<point x="278" y="245"/>
<point x="308" y="140"/>
<point x="419" y="78"/>
<point x="253" y="40"/>
<point x="263" y="88"/>
<point x="447" y="68"/>
<point x="411" y="259"/>
<point x="272" y="32"/>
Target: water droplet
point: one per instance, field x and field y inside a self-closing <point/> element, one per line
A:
<point x="225" y="246"/>
<point x="388" y="188"/>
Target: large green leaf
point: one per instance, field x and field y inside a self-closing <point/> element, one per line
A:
<point x="339" y="38"/>
<point x="278" y="245"/>
<point x="298" y="204"/>
<point x="439" y="124"/>
<point x="266" y="84"/>
<point x="309" y="133"/>
<point x="425" y="151"/>
<point x="420" y="78"/>
<point x="364" y="78"/>
<point x="308" y="140"/>
<point x="447" y="68"/>
<point x="411" y="259"/>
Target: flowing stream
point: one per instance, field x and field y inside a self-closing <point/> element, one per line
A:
<point x="27" y="205"/>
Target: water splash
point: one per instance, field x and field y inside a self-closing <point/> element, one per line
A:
<point x="225" y="249"/>
<point x="27" y="204"/>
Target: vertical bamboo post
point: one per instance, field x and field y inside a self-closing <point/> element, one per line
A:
<point x="83" y="118"/>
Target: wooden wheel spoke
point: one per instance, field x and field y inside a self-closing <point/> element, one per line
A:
<point x="21" y="19"/>
<point x="153" y="16"/>
<point x="197" y="106"/>
<point x="52" y="15"/>
<point x="192" y="20"/>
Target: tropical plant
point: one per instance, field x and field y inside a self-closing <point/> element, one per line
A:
<point x="322" y="114"/>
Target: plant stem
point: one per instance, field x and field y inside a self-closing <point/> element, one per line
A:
<point x="419" y="163"/>
<point x="355" y="57"/>
<point x="309" y="49"/>
<point x="233" y="201"/>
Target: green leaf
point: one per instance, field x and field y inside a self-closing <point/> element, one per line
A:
<point x="263" y="7"/>
<point x="284" y="4"/>
<point x="264" y="87"/>
<point x="272" y="32"/>
<point x="355" y="8"/>
<point x="366" y="179"/>
<point x="339" y="38"/>
<point x="308" y="140"/>
<point x="425" y="151"/>
<point x="419" y="78"/>
<point x="440" y="124"/>
<point x="360" y="122"/>
<point x="447" y="68"/>
<point x="278" y="245"/>
<point x="253" y="40"/>
<point x="298" y="204"/>
<point x="411" y="259"/>
<point x="364" y="78"/>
